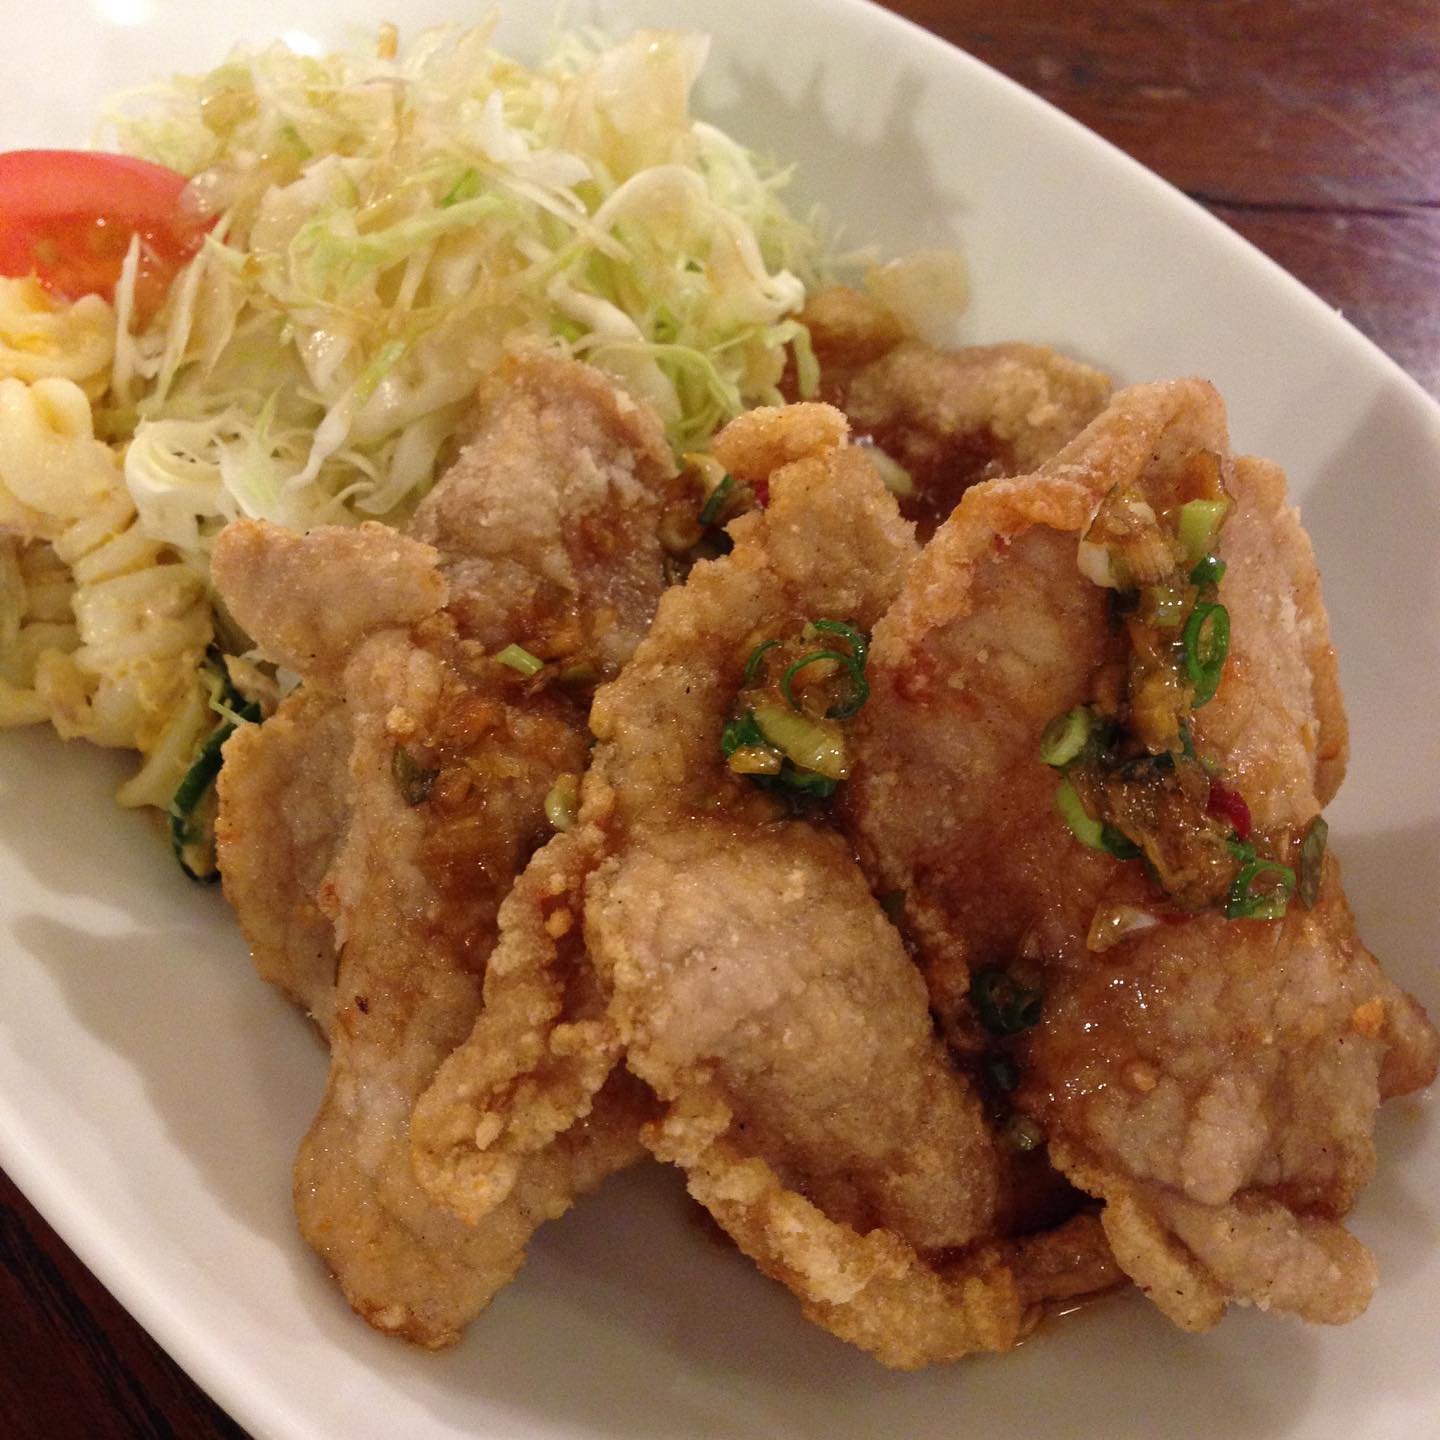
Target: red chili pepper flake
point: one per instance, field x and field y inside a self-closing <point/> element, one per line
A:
<point x="762" y="492"/>
<point x="1227" y="804"/>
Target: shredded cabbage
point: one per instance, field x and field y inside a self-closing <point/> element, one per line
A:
<point x="388" y="226"/>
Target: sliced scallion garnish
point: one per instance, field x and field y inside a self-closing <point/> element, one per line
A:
<point x="1068" y="806"/>
<point x="1207" y="642"/>
<point x="715" y="501"/>
<point x="562" y="802"/>
<point x="1064" y="737"/>
<point x="520" y="659"/>
<point x="191" y="814"/>
<point x="756" y="760"/>
<point x="740" y="733"/>
<point x="1165" y="606"/>
<point x="1268" y="900"/>
<point x="806" y="743"/>
<point x="1095" y="834"/>
<point x="1004" y="1005"/>
<point x="1312" y="858"/>
<point x="1200" y="522"/>
<point x="578" y="675"/>
<point x="806" y="782"/>
<point x="1209" y="570"/>
<point x="859" y="686"/>
<point x="756" y="660"/>
<point x="859" y="640"/>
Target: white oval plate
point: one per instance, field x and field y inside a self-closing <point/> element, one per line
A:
<point x="152" y="1091"/>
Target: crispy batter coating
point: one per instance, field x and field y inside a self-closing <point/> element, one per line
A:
<point x="298" y="598"/>
<point x="1214" y="1082"/>
<point x="518" y="1082"/>
<point x="284" y="804"/>
<point x="547" y="521"/>
<point x="951" y="417"/>
<point x="751" y="964"/>
<point x="451" y="756"/>
<point x="699" y="964"/>
<point x="414" y="895"/>
<point x="751" y="979"/>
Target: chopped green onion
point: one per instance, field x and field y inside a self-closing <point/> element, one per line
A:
<point x="756" y="760"/>
<point x="1312" y="856"/>
<point x="192" y="833"/>
<point x="807" y="782"/>
<point x="562" y="803"/>
<point x="1207" y="643"/>
<point x="1005" y="1006"/>
<point x="741" y="732"/>
<point x="756" y="660"/>
<point x="804" y="742"/>
<point x="414" y="780"/>
<point x="521" y="660"/>
<point x="1090" y="832"/>
<point x="859" y="686"/>
<point x="715" y="503"/>
<point x="859" y="640"/>
<point x="1065" y="736"/>
<point x="1069" y="808"/>
<point x="293" y="143"/>
<point x="1267" y="903"/>
<point x="893" y="475"/>
<point x="1200" y="522"/>
<point x="1209" y="570"/>
<point x="1118" y="843"/>
<point x="1164" y="606"/>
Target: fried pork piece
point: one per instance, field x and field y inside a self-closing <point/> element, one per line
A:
<point x="283" y="806"/>
<point x="547" y="523"/>
<point x="951" y="417"/>
<point x="956" y="417"/>
<point x="284" y="789"/>
<point x="751" y="979"/>
<point x="556" y="499"/>
<point x="1213" y="1081"/>
<point x="451" y="757"/>
<point x="434" y="841"/>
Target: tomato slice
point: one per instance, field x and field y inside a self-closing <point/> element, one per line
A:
<point x="67" y="217"/>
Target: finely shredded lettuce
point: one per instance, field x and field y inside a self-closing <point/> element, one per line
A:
<point x="389" y="226"/>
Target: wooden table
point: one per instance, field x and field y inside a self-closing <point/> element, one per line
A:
<point x="1312" y="127"/>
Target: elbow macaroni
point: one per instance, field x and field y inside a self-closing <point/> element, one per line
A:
<point x="102" y="630"/>
<point x="44" y="338"/>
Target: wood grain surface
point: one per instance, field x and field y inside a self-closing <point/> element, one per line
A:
<point x="1312" y="127"/>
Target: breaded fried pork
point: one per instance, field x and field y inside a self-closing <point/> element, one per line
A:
<point x="544" y="535"/>
<point x="948" y="418"/>
<point x="1104" y="719"/>
<point x="748" y="975"/>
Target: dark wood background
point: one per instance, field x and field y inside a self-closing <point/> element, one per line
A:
<point x="1312" y="127"/>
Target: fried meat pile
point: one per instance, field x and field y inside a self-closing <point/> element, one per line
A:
<point x="751" y="858"/>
